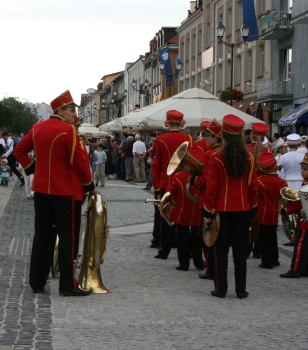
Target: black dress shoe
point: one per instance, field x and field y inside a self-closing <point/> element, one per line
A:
<point x="290" y="274"/>
<point x="205" y="276"/>
<point x="277" y="263"/>
<point x="156" y="246"/>
<point x="243" y="295"/>
<point x="289" y="244"/>
<point x="160" y="257"/>
<point x="200" y="268"/>
<point x="75" y="293"/>
<point x="181" y="268"/>
<point x="218" y="294"/>
<point x="266" y="267"/>
<point x="38" y="290"/>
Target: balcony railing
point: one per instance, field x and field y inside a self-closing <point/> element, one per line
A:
<point x="299" y="12"/>
<point x="275" y="25"/>
<point x="277" y="88"/>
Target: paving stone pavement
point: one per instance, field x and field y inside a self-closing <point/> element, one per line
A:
<point x="151" y="305"/>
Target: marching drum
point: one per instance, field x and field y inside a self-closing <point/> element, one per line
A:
<point x="303" y="195"/>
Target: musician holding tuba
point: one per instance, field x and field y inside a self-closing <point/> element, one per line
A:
<point x="57" y="150"/>
<point x="187" y="218"/>
<point x="269" y="185"/>
<point x="232" y="191"/>
<point x="166" y="145"/>
<point x="299" y="263"/>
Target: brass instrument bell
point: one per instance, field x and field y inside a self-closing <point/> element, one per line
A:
<point x="183" y="160"/>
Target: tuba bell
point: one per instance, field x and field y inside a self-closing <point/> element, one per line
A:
<point x="289" y="222"/>
<point x="166" y="206"/>
<point x="94" y="248"/>
<point x="183" y="160"/>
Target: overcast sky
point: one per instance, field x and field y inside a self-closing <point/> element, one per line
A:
<point x="48" y="46"/>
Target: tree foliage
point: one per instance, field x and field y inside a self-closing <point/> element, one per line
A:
<point x="16" y="116"/>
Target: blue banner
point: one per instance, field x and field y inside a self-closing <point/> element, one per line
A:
<point x="177" y="72"/>
<point x="164" y="55"/>
<point x="249" y="16"/>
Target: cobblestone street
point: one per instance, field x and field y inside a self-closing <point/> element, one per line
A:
<point x="151" y="305"/>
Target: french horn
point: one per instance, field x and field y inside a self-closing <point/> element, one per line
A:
<point x="94" y="248"/>
<point x="289" y="222"/>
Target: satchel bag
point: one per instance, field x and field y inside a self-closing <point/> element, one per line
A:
<point x="123" y="155"/>
<point x="149" y="160"/>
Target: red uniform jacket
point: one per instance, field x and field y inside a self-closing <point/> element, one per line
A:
<point x="295" y="208"/>
<point x="57" y="150"/>
<point x="202" y="145"/>
<point x="166" y="145"/>
<point x="230" y="194"/>
<point x="201" y="181"/>
<point x="155" y="175"/>
<point x="269" y="198"/>
<point x="185" y="211"/>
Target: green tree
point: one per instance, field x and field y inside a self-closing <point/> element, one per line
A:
<point x="19" y="117"/>
<point x="5" y="116"/>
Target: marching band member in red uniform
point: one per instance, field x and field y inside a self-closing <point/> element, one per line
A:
<point x="232" y="191"/>
<point x="299" y="264"/>
<point x="214" y="142"/>
<point x="166" y="145"/>
<point x="256" y="148"/>
<point x="269" y="185"/>
<point x="202" y="144"/>
<point x="57" y="150"/>
<point x="187" y="217"/>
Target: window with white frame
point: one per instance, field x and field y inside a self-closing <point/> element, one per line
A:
<point x="238" y="68"/>
<point x="229" y="21"/>
<point x="193" y="45"/>
<point x="260" y="60"/>
<point x="248" y="65"/>
<point x="219" y="77"/>
<point x="287" y="64"/>
<point x="208" y="35"/>
<point x="199" y="40"/>
<point x="239" y="15"/>
<point x="187" y="49"/>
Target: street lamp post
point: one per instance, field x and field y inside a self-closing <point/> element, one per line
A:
<point x="220" y="31"/>
<point x="143" y="91"/>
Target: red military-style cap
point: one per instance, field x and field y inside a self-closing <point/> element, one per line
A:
<point x="232" y="124"/>
<point x="259" y="129"/>
<point x="204" y="125"/>
<point x="64" y="100"/>
<point x="174" y="116"/>
<point x="267" y="162"/>
<point x="214" y="128"/>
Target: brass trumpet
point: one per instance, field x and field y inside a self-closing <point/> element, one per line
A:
<point x="150" y="200"/>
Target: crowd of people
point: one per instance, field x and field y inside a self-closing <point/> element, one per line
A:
<point x="126" y="157"/>
<point x="230" y="188"/>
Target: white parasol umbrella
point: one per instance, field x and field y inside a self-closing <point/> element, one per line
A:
<point x="90" y="130"/>
<point x="197" y="106"/>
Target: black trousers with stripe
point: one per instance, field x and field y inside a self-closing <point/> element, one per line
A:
<point x="300" y="253"/>
<point x="234" y="231"/>
<point x="50" y="210"/>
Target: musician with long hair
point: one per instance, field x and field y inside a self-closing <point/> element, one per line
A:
<point x="232" y="192"/>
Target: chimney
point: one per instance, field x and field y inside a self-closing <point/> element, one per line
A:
<point x="192" y="6"/>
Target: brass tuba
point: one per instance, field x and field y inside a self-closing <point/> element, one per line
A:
<point x="166" y="206"/>
<point x="183" y="160"/>
<point x="94" y="247"/>
<point x="289" y="222"/>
